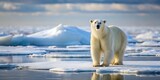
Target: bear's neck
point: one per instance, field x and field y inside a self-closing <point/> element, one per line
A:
<point x="102" y="34"/>
<point x="105" y="32"/>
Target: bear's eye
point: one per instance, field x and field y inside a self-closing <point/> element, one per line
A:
<point x="95" y="22"/>
<point x="100" y="23"/>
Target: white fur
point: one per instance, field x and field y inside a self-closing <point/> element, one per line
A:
<point x="111" y="41"/>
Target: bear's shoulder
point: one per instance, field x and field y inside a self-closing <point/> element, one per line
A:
<point x="113" y="27"/>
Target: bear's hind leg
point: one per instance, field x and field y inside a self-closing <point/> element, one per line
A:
<point x="118" y="58"/>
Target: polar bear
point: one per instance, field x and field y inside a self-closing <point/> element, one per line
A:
<point x="107" y="41"/>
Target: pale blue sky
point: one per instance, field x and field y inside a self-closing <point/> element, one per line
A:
<point x="79" y="12"/>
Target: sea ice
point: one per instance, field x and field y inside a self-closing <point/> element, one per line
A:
<point x="145" y="53"/>
<point x="19" y="50"/>
<point x="61" y="35"/>
<point x="68" y="49"/>
<point x="149" y="44"/>
<point x="62" y="55"/>
<point x="149" y="36"/>
<point x="130" y="39"/>
<point x="129" y="67"/>
<point x="133" y="67"/>
<point x="136" y="49"/>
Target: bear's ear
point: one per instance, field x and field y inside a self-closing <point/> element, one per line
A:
<point x="104" y="21"/>
<point x="91" y="21"/>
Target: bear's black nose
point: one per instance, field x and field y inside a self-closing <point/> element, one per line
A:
<point x="98" y="26"/>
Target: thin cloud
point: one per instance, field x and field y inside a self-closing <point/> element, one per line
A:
<point x="103" y="8"/>
<point x="58" y="9"/>
<point x="83" y="1"/>
<point x="20" y="8"/>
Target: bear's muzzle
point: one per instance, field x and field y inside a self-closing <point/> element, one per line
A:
<point x="98" y="26"/>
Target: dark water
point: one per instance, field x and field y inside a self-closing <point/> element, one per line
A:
<point x="47" y="75"/>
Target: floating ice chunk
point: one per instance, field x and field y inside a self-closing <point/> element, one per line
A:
<point x="130" y="70"/>
<point x="150" y="44"/>
<point x="135" y="49"/>
<point x="145" y="53"/>
<point x="149" y="36"/>
<point x="19" y="50"/>
<point x="73" y="70"/>
<point x="68" y="49"/>
<point x="36" y="55"/>
<point x="52" y="55"/>
<point x="58" y="64"/>
<point x="133" y="67"/>
<point x="129" y="67"/>
<point x="130" y="49"/>
<point x="52" y="47"/>
<point x="140" y="67"/>
<point x="78" y="46"/>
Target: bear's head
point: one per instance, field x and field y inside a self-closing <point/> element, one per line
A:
<point x="97" y="24"/>
<point x="97" y="27"/>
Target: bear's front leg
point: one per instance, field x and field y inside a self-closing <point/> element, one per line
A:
<point x="95" y="55"/>
<point x="108" y="55"/>
<point x="95" y="52"/>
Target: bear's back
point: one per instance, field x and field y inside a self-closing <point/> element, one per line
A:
<point x="118" y="36"/>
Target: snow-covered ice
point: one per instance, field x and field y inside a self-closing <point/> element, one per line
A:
<point x="68" y="49"/>
<point x="65" y="41"/>
<point x="149" y="44"/>
<point x="129" y="67"/>
<point x="59" y="55"/>
<point x="61" y="35"/>
<point x="145" y="53"/>
<point x="134" y="67"/>
<point x="149" y="36"/>
<point x="137" y="49"/>
<point x="79" y="46"/>
<point x="19" y="50"/>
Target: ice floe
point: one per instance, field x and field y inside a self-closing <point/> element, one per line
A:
<point x="61" y="35"/>
<point x="67" y="49"/>
<point x="149" y="36"/>
<point x="78" y="46"/>
<point x="62" y="55"/>
<point x="129" y="67"/>
<point x="145" y="53"/>
<point x="19" y="50"/>
<point x="149" y="44"/>
<point x="134" y="67"/>
<point x="136" y="49"/>
<point x="58" y="64"/>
